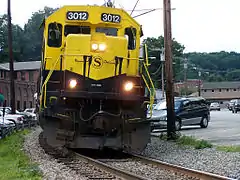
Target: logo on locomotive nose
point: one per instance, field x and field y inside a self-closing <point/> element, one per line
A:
<point x="97" y="62"/>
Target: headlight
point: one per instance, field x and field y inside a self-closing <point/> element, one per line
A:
<point x="128" y="86"/>
<point x="72" y="83"/>
<point x="102" y="47"/>
<point x="99" y="47"/>
<point x="94" y="47"/>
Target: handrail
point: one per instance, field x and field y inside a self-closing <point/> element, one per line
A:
<point x="44" y="86"/>
<point x="153" y="91"/>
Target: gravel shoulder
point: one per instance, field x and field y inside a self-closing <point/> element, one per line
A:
<point x="209" y="159"/>
<point x="49" y="167"/>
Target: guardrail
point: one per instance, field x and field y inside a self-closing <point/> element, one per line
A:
<point x="8" y="130"/>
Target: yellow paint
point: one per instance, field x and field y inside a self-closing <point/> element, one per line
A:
<point x="74" y="46"/>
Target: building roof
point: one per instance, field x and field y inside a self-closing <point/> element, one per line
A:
<point x="221" y="85"/>
<point x="18" y="66"/>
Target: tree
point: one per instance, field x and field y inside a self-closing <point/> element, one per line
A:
<point x="33" y="35"/>
<point x="17" y="40"/>
<point x="155" y="68"/>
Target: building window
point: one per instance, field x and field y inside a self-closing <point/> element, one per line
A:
<point x="23" y="76"/>
<point x="5" y="74"/>
<point x="30" y="103"/>
<point x="220" y="90"/>
<point x="18" y="105"/>
<point x="227" y="90"/>
<point x="205" y="90"/>
<point x="1" y="75"/>
<point x="25" y="94"/>
<point x="31" y="76"/>
<point x="234" y="90"/>
<point x="24" y="105"/>
<point x="212" y="90"/>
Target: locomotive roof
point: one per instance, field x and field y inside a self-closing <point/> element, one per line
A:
<point x="88" y="8"/>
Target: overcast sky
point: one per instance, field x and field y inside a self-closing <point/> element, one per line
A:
<point x="201" y="25"/>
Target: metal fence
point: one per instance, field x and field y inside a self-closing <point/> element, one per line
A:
<point x="8" y="130"/>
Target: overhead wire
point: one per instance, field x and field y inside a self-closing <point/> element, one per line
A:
<point x="134" y="7"/>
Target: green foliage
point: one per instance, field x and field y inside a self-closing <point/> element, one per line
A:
<point x="189" y="141"/>
<point x="14" y="163"/>
<point x="155" y="68"/>
<point x="216" y="66"/>
<point x="229" y="148"/>
<point x="27" y="42"/>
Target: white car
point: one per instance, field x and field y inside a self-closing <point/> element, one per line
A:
<point x="6" y="122"/>
<point x="17" y="119"/>
<point x="215" y="106"/>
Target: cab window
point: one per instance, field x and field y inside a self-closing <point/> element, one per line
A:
<point x="108" y="31"/>
<point x="54" y="35"/>
<point x="130" y="34"/>
<point x="71" y="29"/>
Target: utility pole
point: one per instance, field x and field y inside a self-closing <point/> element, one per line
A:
<point x="199" y="83"/>
<point x="171" y="130"/>
<point x="185" y="76"/>
<point x="12" y="89"/>
<point x="162" y="58"/>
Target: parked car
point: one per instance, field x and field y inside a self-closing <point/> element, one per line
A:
<point x="231" y="103"/>
<point x="16" y="118"/>
<point x="215" y="106"/>
<point x="189" y="111"/>
<point x="5" y="122"/>
<point x="30" y="110"/>
<point x="236" y="106"/>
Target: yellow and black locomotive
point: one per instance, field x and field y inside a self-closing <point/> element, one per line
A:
<point x="94" y="88"/>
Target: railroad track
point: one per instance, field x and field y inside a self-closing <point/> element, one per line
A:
<point x="179" y="169"/>
<point x="104" y="168"/>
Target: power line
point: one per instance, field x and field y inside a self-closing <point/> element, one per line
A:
<point x="134" y="7"/>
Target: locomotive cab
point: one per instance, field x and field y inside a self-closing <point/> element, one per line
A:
<point x="93" y="83"/>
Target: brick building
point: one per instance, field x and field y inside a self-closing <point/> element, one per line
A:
<point x="26" y="75"/>
<point x="191" y="84"/>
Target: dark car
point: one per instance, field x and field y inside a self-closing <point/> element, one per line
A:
<point x="236" y="106"/>
<point x="189" y="111"/>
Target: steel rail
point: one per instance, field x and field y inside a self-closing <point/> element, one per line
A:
<point x="190" y="172"/>
<point x="111" y="169"/>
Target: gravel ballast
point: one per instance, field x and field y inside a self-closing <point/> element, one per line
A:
<point x="149" y="171"/>
<point x="209" y="159"/>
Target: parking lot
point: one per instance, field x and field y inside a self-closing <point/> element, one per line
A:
<point x="223" y="129"/>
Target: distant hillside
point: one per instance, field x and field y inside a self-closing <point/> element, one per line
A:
<point x="217" y="66"/>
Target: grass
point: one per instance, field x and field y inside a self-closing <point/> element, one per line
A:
<point x="199" y="144"/>
<point x="228" y="148"/>
<point x="189" y="141"/>
<point x="14" y="164"/>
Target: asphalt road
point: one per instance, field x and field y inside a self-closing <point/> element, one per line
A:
<point x="223" y="129"/>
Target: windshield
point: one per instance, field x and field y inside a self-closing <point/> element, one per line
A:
<point x="163" y="105"/>
<point x="107" y="30"/>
